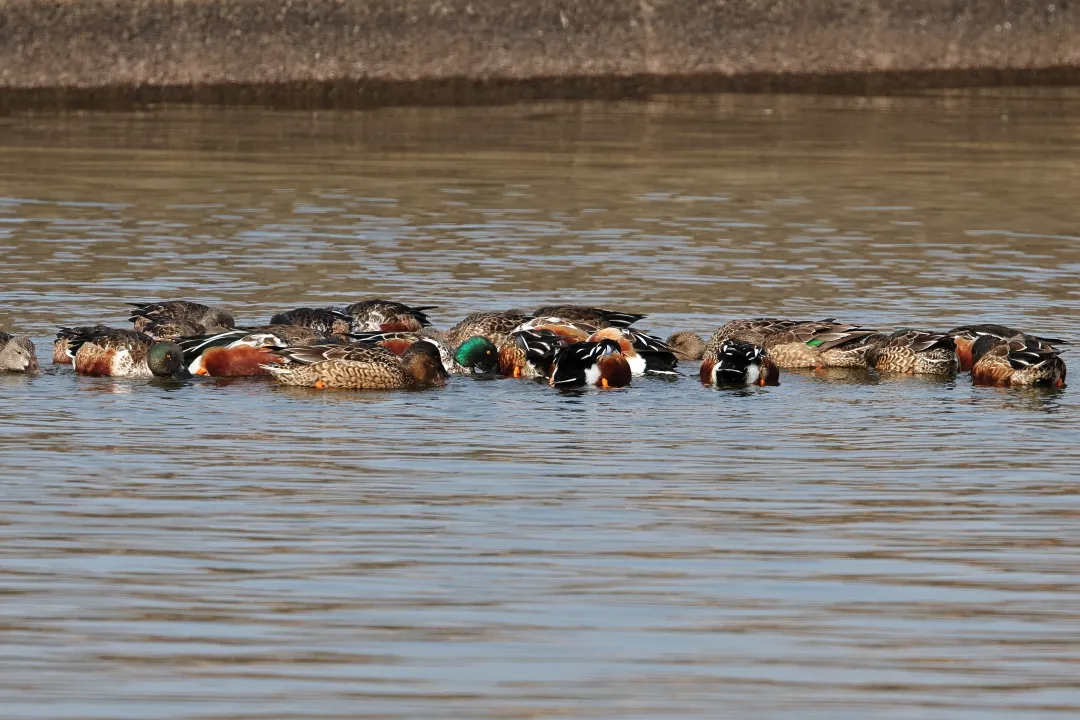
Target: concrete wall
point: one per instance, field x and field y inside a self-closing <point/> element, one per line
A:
<point x="357" y="52"/>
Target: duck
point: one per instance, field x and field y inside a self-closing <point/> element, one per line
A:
<point x="752" y="330"/>
<point x="111" y="352"/>
<point x="210" y="318"/>
<point x="167" y="328"/>
<point x="359" y="367"/>
<point x="475" y="356"/>
<point x="966" y="335"/>
<point x="62" y="354"/>
<point x="821" y="345"/>
<point x="18" y="354"/>
<point x="324" y="321"/>
<point x="243" y="352"/>
<point x="814" y="344"/>
<point x="590" y="363"/>
<point x="528" y="353"/>
<point x="914" y="352"/>
<point x="495" y="326"/>
<point x="644" y="353"/>
<point x="388" y="316"/>
<point x="688" y="346"/>
<point x="1018" y="361"/>
<point x="739" y="363"/>
<point x="597" y="317"/>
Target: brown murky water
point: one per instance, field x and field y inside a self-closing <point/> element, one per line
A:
<point x="842" y="546"/>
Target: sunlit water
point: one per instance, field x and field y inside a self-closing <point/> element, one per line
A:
<point x="842" y="546"/>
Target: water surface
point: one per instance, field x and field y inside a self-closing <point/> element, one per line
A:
<point x="846" y="545"/>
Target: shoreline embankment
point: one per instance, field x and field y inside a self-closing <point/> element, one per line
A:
<point x="66" y="54"/>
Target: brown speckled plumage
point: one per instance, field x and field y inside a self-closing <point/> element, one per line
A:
<point x="323" y="321"/>
<point x="598" y="318"/>
<point x="791" y="344"/>
<point x="362" y="367"/>
<point x="210" y="319"/>
<point x="1017" y="362"/>
<point x="914" y="352"/>
<point x="687" y="345"/>
<point x="387" y="316"/>
<point x="495" y="326"/>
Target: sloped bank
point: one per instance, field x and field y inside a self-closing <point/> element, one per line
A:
<point x="349" y="53"/>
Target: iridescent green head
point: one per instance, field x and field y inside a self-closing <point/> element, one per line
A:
<point x="166" y="359"/>
<point x="478" y="354"/>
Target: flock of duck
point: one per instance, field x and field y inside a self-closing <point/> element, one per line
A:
<point x="379" y="344"/>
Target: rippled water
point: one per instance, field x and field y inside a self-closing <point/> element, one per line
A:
<point x="844" y="545"/>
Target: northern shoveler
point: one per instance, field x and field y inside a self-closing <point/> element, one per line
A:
<point x="529" y="353"/>
<point x="1018" y="361"/>
<point x="360" y="367"/>
<point x="644" y="353"/>
<point x="914" y="352"/>
<point x="739" y="363"/>
<point x="62" y="354"/>
<point x="17" y="354"/>
<point x="590" y="363"/>
<point x="242" y="352"/>
<point x="122" y="353"/>
<point x="966" y="335"/>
